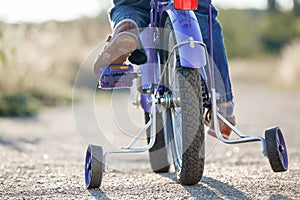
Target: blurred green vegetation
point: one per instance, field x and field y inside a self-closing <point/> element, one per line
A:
<point x="257" y="33"/>
<point x="18" y="105"/>
<point x="39" y="62"/>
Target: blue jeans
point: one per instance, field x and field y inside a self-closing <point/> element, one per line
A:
<point x="138" y="11"/>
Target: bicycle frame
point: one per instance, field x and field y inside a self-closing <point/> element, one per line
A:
<point x="192" y="53"/>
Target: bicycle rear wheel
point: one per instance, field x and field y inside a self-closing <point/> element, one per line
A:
<point x="184" y="117"/>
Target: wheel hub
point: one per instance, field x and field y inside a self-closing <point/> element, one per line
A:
<point x="169" y="101"/>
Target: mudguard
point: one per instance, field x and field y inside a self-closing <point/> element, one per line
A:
<point x="186" y="28"/>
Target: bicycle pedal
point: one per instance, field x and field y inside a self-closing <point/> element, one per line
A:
<point x="116" y="76"/>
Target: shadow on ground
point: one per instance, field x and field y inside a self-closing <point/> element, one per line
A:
<point x="98" y="194"/>
<point x="211" y="188"/>
<point x="17" y="144"/>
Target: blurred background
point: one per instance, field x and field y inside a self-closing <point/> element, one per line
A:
<point x="43" y="43"/>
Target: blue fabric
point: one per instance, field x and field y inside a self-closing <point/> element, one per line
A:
<point x="138" y="11"/>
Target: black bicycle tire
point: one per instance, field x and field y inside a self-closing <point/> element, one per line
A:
<point x="190" y="90"/>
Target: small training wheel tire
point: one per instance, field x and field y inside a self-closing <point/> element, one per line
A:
<point x="93" y="166"/>
<point x="276" y="149"/>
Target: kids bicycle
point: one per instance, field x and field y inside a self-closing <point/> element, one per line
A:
<point x="174" y="92"/>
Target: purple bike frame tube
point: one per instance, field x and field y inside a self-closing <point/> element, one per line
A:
<point x="152" y="5"/>
<point x="212" y="70"/>
<point x="150" y="75"/>
<point x="148" y="69"/>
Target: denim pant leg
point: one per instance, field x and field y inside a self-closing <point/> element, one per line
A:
<point x="222" y="79"/>
<point x="138" y="11"/>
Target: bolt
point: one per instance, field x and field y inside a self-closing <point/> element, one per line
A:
<point x="281" y="148"/>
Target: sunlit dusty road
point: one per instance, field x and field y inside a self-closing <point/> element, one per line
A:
<point x="43" y="157"/>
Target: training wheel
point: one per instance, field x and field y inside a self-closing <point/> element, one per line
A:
<point x="276" y="149"/>
<point x="93" y="166"/>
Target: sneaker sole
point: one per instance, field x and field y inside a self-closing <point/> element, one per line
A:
<point x="117" y="50"/>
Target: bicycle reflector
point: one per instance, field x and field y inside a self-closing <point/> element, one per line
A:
<point x="186" y="4"/>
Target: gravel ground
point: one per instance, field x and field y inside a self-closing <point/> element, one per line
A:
<point x="43" y="157"/>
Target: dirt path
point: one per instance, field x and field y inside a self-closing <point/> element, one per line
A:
<point x="43" y="157"/>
